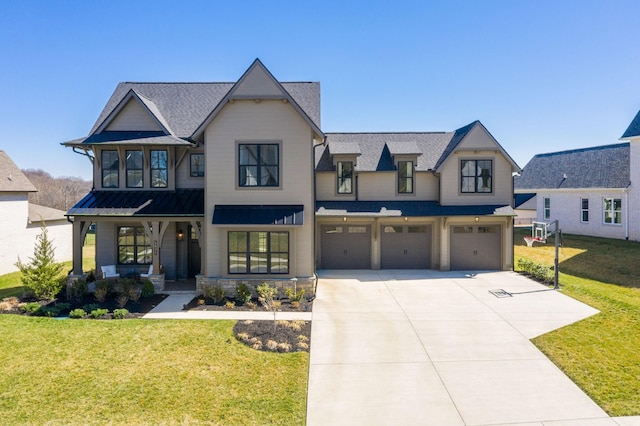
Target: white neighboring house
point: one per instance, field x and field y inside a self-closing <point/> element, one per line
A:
<point x="22" y="221"/>
<point x="591" y="191"/>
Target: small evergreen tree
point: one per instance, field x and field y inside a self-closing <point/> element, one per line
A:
<point x="41" y="275"/>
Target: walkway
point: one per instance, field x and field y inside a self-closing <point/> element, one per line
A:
<point x="433" y="348"/>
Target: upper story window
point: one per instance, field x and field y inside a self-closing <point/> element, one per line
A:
<point x="584" y="210"/>
<point x="612" y="210"/>
<point x="258" y="165"/>
<point x="405" y="177"/>
<point x="197" y="165"/>
<point x="547" y="207"/>
<point x="344" y="170"/>
<point x="476" y="176"/>
<point x="134" y="169"/>
<point x="159" y="169"/>
<point x="110" y="169"/>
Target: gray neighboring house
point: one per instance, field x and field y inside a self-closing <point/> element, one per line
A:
<point x="591" y="191"/>
<point x="22" y="221"/>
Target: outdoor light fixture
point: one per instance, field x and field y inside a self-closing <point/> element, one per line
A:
<point x="344" y="219"/>
<point x="180" y="235"/>
<point x="406" y="218"/>
<point x="477" y="219"/>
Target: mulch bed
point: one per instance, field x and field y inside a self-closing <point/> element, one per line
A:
<point x="201" y="304"/>
<point x="278" y="336"/>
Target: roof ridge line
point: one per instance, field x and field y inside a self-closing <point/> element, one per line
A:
<point x="589" y="148"/>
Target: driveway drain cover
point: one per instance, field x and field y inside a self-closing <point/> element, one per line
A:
<point x="500" y="293"/>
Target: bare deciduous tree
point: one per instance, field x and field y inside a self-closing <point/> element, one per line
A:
<point x="59" y="193"/>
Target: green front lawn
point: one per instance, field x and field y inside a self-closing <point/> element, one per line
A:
<point x="143" y="372"/>
<point x="601" y="354"/>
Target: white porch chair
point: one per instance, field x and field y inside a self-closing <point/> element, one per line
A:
<point x="150" y="272"/>
<point x="109" y="271"/>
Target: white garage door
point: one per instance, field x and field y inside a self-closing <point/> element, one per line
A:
<point x="476" y="247"/>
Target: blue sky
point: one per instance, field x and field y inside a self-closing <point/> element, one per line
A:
<point x="541" y="76"/>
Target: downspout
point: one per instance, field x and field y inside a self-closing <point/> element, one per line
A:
<point x="315" y="227"/>
<point x="626" y="213"/>
<point x="356" y="182"/>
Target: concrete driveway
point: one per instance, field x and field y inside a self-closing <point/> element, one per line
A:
<point x="438" y="348"/>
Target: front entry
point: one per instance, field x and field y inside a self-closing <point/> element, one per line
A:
<point x="194" y="253"/>
<point x="476" y="247"/>
<point x="346" y="247"/>
<point x="405" y="247"/>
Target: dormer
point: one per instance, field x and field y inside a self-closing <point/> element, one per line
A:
<point x="405" y="159"/>
<point x="345" y="160"/>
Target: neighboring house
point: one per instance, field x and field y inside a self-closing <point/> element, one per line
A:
<point x="525" y="205"/>
<point x="216" y="181"/>
<point x="588" y="190"/>
<point x="22" y="221"/>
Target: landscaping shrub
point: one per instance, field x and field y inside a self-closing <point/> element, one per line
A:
<point x="9" y="304"/>
<point x="77" y="290"/>
<point x="120" y="313"/>
<point x="122" y="299"/>
<point x="48" y="311"/>
<point x="77" y="313"/>
<point x="536" y="270"/>
<point x="230" y="304"/>
<point x="30" y="308"/>
<point x="41" y="276"/>
<point x="103" y="287"/>
<point x="243" y="293"/>
<point x="293" y="294"/>
<point x="147" y="289"/>
<point x="91" y="307"/>
<point x="97" y="313"/>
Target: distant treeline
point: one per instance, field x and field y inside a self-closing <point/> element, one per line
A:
<point x="59" y="193"/>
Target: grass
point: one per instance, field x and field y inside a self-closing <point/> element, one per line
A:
<point x="600" y="353"/>
<point x="143" y="372"/>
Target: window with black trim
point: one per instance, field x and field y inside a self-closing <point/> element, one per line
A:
<point x="258" y="165"/>
<point x="134" y="169"/>
<point x="405" y="177"/>
<point x="110" y="169"/>
<point x="134" y="246"/>
<point x="159" y="169"/>
<point x="612" y="211"/>
<point x="197" y="165"/>
<point x="344" y="170"/>
<point x="476" y="176"/>
<point x="584" y="210"/>
<point x="258" y="252"/>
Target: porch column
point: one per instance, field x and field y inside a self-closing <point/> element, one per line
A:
<point x="80" y="228"/>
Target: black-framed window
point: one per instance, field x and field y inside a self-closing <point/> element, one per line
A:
<point x="197" y="165"/>
<point x="405" y="177"/>
<point x="134" y="246"/>
<point x="258" y="252"/>
<point x="476" y="176"/>
<point x="159" y="169"/>
<point x="547" y="207"/>
<point x="612" y="211"/>
<point x="134" y="166"/>
<point x="258" y="165"/>
<point x="110" y="169"/>
<point x="344" y="171"/>
<point x="584" y="210"/>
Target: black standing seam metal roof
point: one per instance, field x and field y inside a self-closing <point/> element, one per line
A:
<point x="405" y="208"/>
<point x="181" y="202"/>
<point x="258" y="214"/>
<point x="605" y="166"/>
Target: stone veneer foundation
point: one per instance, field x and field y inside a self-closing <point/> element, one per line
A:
<point x="229" y="284"/>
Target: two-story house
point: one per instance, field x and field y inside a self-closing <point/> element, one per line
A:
<point x="232" y="182"/>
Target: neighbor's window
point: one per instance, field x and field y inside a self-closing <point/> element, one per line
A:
<point x="345" y="177"/>
<point x="405" y="177"/>
<point x="110" y="166"/>
<point x="134" y="169"/>
<point x="612" y="210"/>
<point x="584" y="210"/>
<point x="476" y="176"/>
<point x="258" y="252"/>
<point x="159" y="170"/>
<point x="134" y="246"/>
<point x="547" y="207"/>
<point x="197" y="165"/>
<point x="258" y="165"/>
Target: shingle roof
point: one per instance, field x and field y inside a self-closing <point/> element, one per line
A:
<point x="375" y="154"/>
<point x="597" y="167"/>
<point x="11" y="177"/>
<point x="38" y="213"/>
<point x="633" y="129"/>
<point x="185" y="106"/>
<point x="181" y="202"/>
<point x="405" y="208"/>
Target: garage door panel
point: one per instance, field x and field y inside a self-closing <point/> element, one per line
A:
<point x="476" y="247"/>
<point x="405" y="247"/>
<point x="346" y="247"/>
